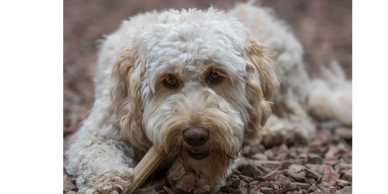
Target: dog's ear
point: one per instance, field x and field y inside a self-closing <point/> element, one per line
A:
<point x="261" y="86"/>
<point x="126" y="96"/>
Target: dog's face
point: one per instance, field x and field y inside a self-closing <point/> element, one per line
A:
<point x="195" y="83"/>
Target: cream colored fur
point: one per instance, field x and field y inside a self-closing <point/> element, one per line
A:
<point x="331" y="96"/>
<point x="134" y="110"/>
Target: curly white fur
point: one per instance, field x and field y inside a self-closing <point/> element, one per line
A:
<point x="134" y="110"/>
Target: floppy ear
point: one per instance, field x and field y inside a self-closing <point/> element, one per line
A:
<point x="261" y="86"/>
<point x="126" y="96"/>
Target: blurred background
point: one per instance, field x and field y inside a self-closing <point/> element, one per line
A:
<point x="323" y="27"/>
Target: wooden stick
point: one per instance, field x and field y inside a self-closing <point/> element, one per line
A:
<point x="146" y="166"/>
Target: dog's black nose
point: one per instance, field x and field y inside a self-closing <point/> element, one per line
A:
<point x="195" y="136"/>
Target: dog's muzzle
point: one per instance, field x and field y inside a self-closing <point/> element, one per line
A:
<point x="196" y="137"/>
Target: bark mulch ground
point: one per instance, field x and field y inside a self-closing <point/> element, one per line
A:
<point x="324" y="165"/>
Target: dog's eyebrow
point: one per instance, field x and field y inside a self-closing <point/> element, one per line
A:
<point x="160" y="77"/>
<point x="220" y="71"/>
<point x="227" y="72"/>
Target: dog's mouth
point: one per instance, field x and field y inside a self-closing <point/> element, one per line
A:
<point x="197" y="154"/>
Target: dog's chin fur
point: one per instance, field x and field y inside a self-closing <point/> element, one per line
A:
<point x="215" y="165"/>
<point x="134" y="109"/>
<point x="199" y="176"/>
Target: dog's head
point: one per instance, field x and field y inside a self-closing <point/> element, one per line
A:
<point x="196" y="83"/>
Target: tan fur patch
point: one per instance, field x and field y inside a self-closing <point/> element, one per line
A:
<point x="262" y="84"/>
<point x="126" y="97"/>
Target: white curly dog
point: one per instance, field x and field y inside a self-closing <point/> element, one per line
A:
<point x="197" y="85"/>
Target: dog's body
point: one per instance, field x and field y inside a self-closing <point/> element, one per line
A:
<point x="195" y="84"/>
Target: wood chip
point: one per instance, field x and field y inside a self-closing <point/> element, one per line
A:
<point x="251" y="171"/>
<point x="348" y="175"/>
<point x="272" y="175"/>
<point x="293" y="175"/>
<point x="246" y="178"/>
<point x="266" y="190"/>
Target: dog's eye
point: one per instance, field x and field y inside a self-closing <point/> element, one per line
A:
<point x="170" y="81"/>
<point x="214" y="77"/>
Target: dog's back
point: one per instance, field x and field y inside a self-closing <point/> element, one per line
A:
<point x="286" y="52"/>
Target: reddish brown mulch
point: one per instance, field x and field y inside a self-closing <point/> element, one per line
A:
<point x="323" y="165"/>
<point x="324" y="28"/>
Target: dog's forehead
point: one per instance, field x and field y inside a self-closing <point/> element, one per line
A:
<point x="189" y="41"/>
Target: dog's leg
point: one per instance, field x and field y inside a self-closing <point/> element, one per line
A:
<point x="290" y="122"/>
<point x="101" y="163"/>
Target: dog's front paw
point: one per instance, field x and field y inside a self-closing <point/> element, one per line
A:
<point x="107" y="182"/>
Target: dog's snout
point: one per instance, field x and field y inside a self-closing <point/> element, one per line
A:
<point x="196" y="136"/>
